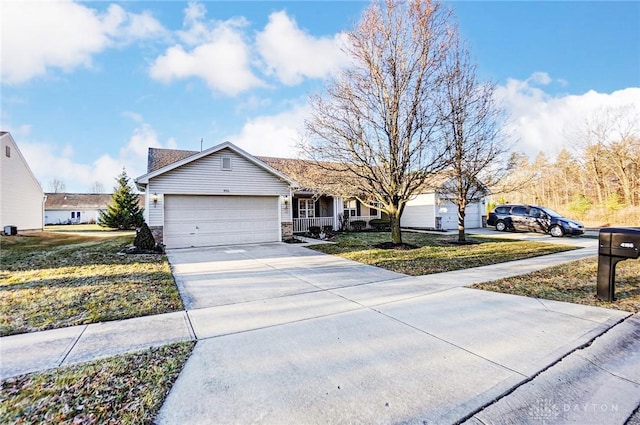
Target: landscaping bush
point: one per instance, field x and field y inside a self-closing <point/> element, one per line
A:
<point x="314" y="230"/>
<point x="358" y="225"/>
<point x="380" y="225"/>
<point x="144" y="238"/>
<point x="344" y="222"/>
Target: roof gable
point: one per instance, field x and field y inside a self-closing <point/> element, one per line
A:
<point x="176" y="158"/>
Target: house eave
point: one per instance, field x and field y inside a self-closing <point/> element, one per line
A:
<point x="143" y="181"/>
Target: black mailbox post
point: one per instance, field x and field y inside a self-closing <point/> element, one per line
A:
<point x="616" y="244"/>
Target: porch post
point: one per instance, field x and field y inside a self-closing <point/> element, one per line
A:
<point x="338" y="207"/>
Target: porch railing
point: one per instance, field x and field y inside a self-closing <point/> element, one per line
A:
<point x="302" y="224"/>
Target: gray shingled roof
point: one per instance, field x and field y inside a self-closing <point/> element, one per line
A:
<point x="159" y="158"/>
<point x="85" y="201"/>
<point x="291" y="167"/>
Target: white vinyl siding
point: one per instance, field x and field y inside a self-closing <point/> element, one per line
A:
<point x="420" y="212"/>
<point x="63" y="216"/>
<point x="21" y="197"/>
<point x="154" y="212"/>
<point x="196" y="221"/>
<point x="206" y="177"/>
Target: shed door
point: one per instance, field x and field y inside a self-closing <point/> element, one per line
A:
<point x="193" y="221"/>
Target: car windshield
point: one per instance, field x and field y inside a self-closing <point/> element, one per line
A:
<point x="551" y="212"/>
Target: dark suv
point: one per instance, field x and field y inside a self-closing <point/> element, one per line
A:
<point x="533" y="218"/>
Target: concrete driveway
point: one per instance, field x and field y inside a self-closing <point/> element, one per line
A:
<point x="289" y="335"/>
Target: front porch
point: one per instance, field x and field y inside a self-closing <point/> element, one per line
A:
<point x="327" y="212"/>
<point x="302" y="225"/>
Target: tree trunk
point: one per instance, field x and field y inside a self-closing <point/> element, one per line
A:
<point x="461" y="232"/>
<point x="396" y="233"/>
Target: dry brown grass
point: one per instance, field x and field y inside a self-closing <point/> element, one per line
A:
<point x="52" y="280"/>
<point x="574" y="282"/>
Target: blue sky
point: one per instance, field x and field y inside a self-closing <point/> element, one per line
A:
<point x="87" y="87"/>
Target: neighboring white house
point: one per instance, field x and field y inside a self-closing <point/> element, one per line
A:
<point x="220" y="196"/>
<point x="21" y="197"/>
<point x="428" y="211"/>
<point x="431" y="210"/>
<point x="77" y="208"/>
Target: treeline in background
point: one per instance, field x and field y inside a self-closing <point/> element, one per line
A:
<point x="596" y="181"/>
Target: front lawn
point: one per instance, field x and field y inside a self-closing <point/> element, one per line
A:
<point x="126" y="389"/>
<point x="52" y="280"/>
<point x="77" y="228"/>
<point x="434" y="253"/>
<point x="574" y="282"/>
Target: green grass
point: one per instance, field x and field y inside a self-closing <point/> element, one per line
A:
<point x="127" y="389"/>
<point x="77" y="228"/>
<point x="574" y="282"/>
<point x="53" y="280"/>
<point x="434" y="253"/>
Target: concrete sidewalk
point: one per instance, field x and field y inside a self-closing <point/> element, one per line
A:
<point x="311" y="343"/>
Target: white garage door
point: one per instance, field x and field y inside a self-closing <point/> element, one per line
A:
<point x="449" y="214"/>
<point x="472" y="219"/>
<point x="192" y="221"/>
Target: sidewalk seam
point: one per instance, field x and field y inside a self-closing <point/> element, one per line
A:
<point x="72" y="346"/>
<point x="192" y="330"/>
<point x="608" y="371"/>
<point x="541" y="371"/>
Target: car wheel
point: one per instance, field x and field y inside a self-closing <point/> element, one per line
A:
<point x="556" y="231"/>
<point x="501" y="226"/>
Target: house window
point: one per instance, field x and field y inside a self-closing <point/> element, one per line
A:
<point x="306" y="208"/>
<point x="350" y="208"/>
<point x="226" y="163"/>
<point x="376" y="208"/>
<point x="7" y="151"/>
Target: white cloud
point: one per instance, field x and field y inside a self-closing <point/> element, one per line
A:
<point x="38" y="36"/>
<point x="272" y="135"/>
<point x="221" y="56"/>
<point x="542" y="122"/>
<point x="292" y="55"/>
<point x="50" y="161"/>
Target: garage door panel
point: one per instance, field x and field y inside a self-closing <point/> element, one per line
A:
<point x="220" y="220"/>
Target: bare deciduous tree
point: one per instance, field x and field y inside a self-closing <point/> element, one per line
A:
<point x="374" y="131"/>
<point x="471" y="125"/>
<point x="96" y="187"/>
<point x="57" y="186"/>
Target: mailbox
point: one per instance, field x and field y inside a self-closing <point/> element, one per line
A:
<point x="616" y="244"/>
